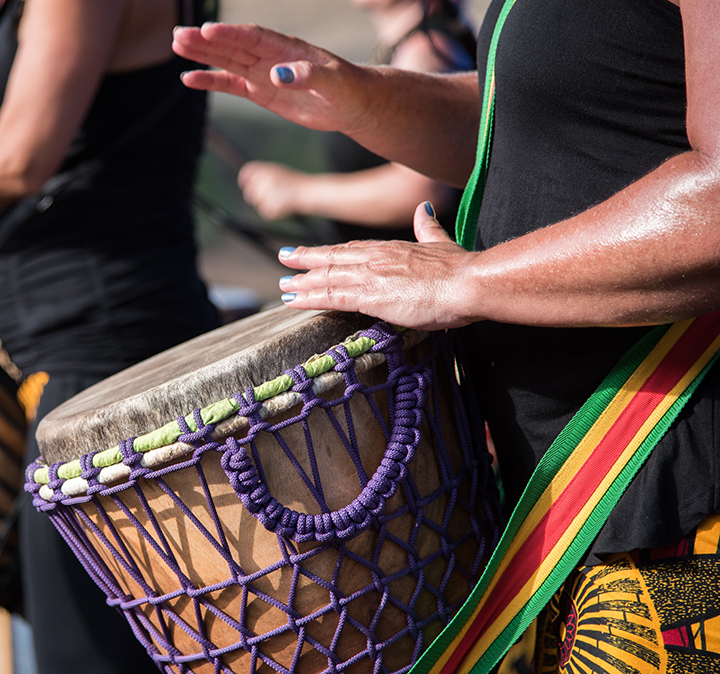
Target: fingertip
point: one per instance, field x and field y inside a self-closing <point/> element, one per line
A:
<point x="207" y="27"/>
<point x="426" y="225"/>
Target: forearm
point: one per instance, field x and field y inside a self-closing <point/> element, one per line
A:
<point x="650" y="254"/>
<point x="385" y="196"/>
<point x="427" y="122"/>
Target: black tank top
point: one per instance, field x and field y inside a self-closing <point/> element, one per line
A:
<point x="103" y="274"/>
<point x="590" y="97"/>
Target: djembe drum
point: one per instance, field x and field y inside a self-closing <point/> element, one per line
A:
<point x="332" y="518"/>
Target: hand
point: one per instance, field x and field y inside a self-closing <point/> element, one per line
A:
<point x="417" y="285"/>
<point x="270" y="188"/>
<point x="302" y="83"/>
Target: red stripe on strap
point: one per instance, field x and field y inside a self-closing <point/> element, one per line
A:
<point x="528" y="559"/>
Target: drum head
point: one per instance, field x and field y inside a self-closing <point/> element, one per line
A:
<point x="195" y="374"/>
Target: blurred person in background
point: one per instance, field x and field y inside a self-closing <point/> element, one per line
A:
<point x="364" y="195"/>
<point x="98" y="148"/>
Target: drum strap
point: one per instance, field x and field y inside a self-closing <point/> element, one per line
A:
<point x="572" y="492"/>
<point x="469" y="209"/>
<point x="584" y="472"/>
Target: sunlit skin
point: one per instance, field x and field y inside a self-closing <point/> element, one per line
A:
<point x="650" y="254"/>
<point x="64" y="50"/>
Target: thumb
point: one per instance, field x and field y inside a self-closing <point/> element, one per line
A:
<point x="427" y="228"/>
<point x="297" y="75"/>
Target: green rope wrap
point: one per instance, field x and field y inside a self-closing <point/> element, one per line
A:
<point x="212" y="414"/>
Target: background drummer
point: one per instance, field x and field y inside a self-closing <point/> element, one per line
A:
<point x="98" y="146"/>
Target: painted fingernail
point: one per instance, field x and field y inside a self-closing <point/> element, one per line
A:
<point x="286" y="251"/>
<point x="288" y="297"/>
<point x="285" y="279"/>
<point x="429" y="209"/>
<point x="285" y="75"/>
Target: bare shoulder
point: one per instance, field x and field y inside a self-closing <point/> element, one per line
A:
<point x="417" y="53"/>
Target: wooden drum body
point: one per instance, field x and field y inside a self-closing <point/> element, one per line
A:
<point x="332" y="519"/>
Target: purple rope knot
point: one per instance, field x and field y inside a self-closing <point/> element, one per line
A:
<point x="249" y="407"/>
<point x="303" y="383"/>
<point x="344" y="362"/>
<point x="90" y="473"/>
<point x="304" y="386"/>
<point x="199" y="437"/>
<point x="386" y="338"/>
<point x="129" y="456"/>
<point x="55" y="482"/>
<point x="31" y="486"/>
<point x="132" y="459"/>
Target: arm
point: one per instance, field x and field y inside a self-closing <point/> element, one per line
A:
<point x="64" y="48"/>
<point x="650" y="254"/>
<point x="384" y="109"/>
<point x="382" y="196"/>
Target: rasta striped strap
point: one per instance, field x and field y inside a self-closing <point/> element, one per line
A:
<point x="469" y="208"/>
<point x="572" y="492"/>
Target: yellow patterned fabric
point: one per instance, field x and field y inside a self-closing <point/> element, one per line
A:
<point x="640" y="613"/>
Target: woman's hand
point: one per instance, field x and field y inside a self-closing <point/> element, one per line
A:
<point x="416" y="285"/>
<point x="385" y="109"/>
<point x="302" y="83"/>
<point x="271" y="189"/>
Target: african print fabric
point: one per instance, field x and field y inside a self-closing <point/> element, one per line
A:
<point x="641" y="613"/>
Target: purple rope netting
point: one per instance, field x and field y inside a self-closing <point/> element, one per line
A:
<point x="153" y="615"/>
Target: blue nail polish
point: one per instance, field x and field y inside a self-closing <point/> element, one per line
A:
<point x="285" y="74"/>
<point x="429" y="209"/>
<point x="286" y="251"/>
<point x="288" y="297"/>
<point x="285" y="279"/>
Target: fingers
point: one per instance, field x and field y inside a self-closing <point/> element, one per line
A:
<point x="318" y="257"/>
<point x="215" y="80"/>
<point x="427" y="228"/>
<point x="231" y="48"/>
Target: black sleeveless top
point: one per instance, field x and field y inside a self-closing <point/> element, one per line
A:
<point x="344" y="155"/>
<point x="101" y="272"/>
<point x="590" y="97"/>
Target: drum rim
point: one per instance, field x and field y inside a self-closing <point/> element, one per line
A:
<point x="161" y="446"/>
